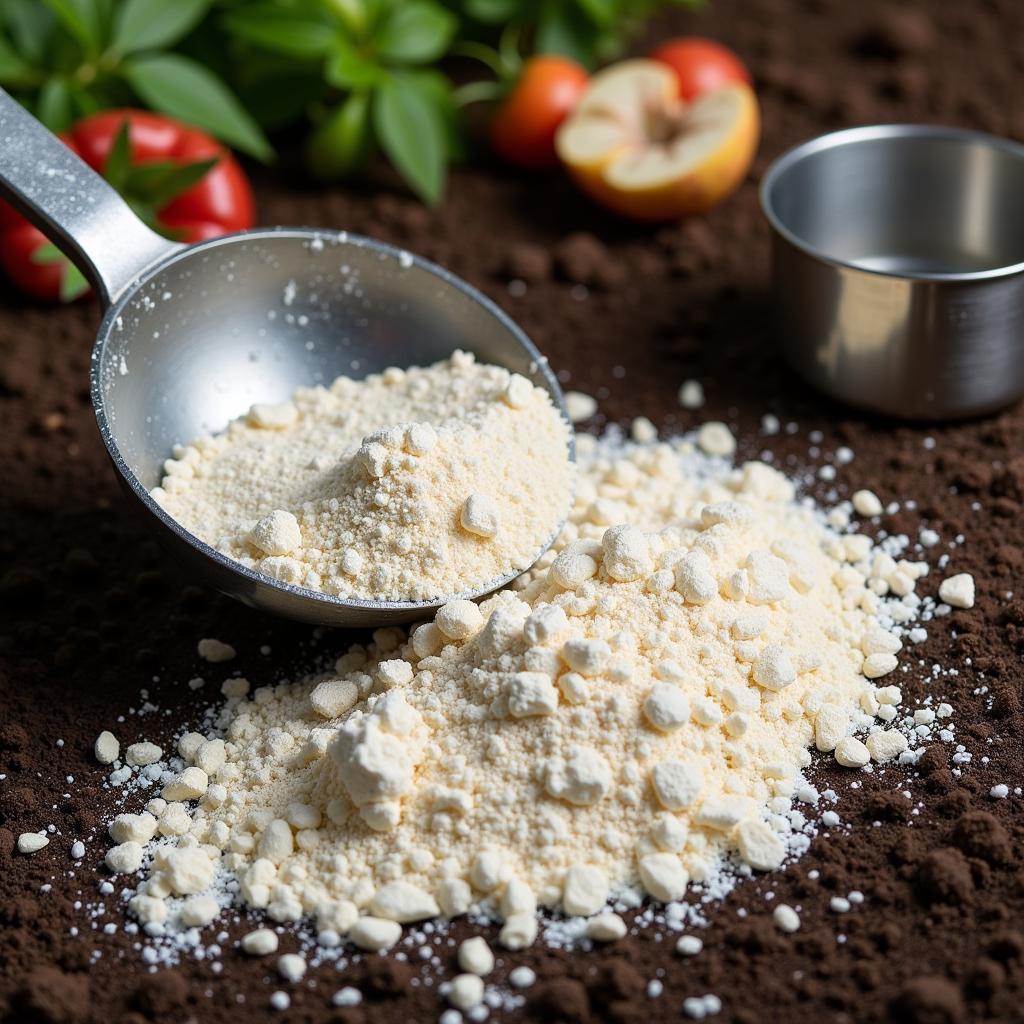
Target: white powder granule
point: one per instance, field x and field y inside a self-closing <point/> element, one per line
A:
<point x="580" y="406"/>
<point x="691" y="394"/>
<point x="958" y="590"/>
<point x="635" y="710"/>
<point x="409" y="485"/>
<point x="31" y="842"/>
<point x="786" y="918"/>
<point x="106" y="749"/>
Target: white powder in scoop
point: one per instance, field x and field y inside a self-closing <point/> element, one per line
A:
<point x="408" y="485"/>
<point x="637" y="709"/>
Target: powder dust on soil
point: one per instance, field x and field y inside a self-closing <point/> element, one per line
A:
<point x="93" y="612"/>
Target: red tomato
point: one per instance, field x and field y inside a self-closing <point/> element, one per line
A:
<point x="19" y="242"/>
<point x="701" y="65"/>
<point x="151" y="136"/>
<point x="219" y="203"/>
<point x="523" y="129"/>
<point x="40" y="280"/>
<point x="223" y="196"/>
<point x="9" y="216"/>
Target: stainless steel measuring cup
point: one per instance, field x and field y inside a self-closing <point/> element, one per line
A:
<point x="194" y="335"/>
<point x="899" y="267"/>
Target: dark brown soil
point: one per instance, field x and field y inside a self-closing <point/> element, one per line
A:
<point x="92" y="611"/>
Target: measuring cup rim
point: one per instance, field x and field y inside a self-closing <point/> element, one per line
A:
<point x="332" y="237"/>
<point x="873" y="133"/>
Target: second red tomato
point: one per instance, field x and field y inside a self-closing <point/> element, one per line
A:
<point x="701" y="65"/>
<point x="523" y="129"/>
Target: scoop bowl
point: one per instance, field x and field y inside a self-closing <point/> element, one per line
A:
<point x="194" y="335"/>
<point x="250" y="318"/>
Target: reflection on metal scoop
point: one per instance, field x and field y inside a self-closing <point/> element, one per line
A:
<point x="194" y="335"/>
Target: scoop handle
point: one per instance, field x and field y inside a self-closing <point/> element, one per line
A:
<point x="72" y="205"/>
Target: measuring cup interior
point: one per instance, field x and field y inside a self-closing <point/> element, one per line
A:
<point x="252" y="317"/>
<point x="902" y="199"/>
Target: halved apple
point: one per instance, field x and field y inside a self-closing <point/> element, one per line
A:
<point x="640" y="151"/>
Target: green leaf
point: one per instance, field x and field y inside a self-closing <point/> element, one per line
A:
<point x="46" y="254"/>
<point x="415" y="33"/>
<point x="13" y="70"/>
<point x="53" y="107"/>
<point x="119" y="160"/>
<point x="64" y="53"/>
<point x="281" y="96"/>
<point x="84" y="102"/>
<point x="563" y="29"/>
<point x="161" y="181"/>
<point x="72" y="283"/>
<point x="340" y="143"/>
<point x="30" y="24"/>
<point x="493" y="12"/>
<point x="347" y="68"/>
<point x="438" y="88"/>
<point x="281" y="31"/>
<point x="177" y="85"/>
<point x="105" y="16"/>
<point x="82" y="19"/>
<point x="352" y="14"/>
<point x="411" y="132"/>
<point x="151" y="24"/>
<point x="601" y="12"/>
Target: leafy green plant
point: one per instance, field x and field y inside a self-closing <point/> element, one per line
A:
<point x="69" y="58"/>
<point x="364" y="73"/>
<point x="588" y="31"/>
<point x="375" y="55"/>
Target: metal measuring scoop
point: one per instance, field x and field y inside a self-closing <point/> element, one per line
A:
<point x="193" y="335"/>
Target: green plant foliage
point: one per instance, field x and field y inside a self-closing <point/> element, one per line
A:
<point x="68" y="58"/>
<point x="363" y="73"/>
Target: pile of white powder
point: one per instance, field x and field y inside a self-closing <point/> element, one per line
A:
<point x="408" y="485"/>
<point x="633" y="714"/>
